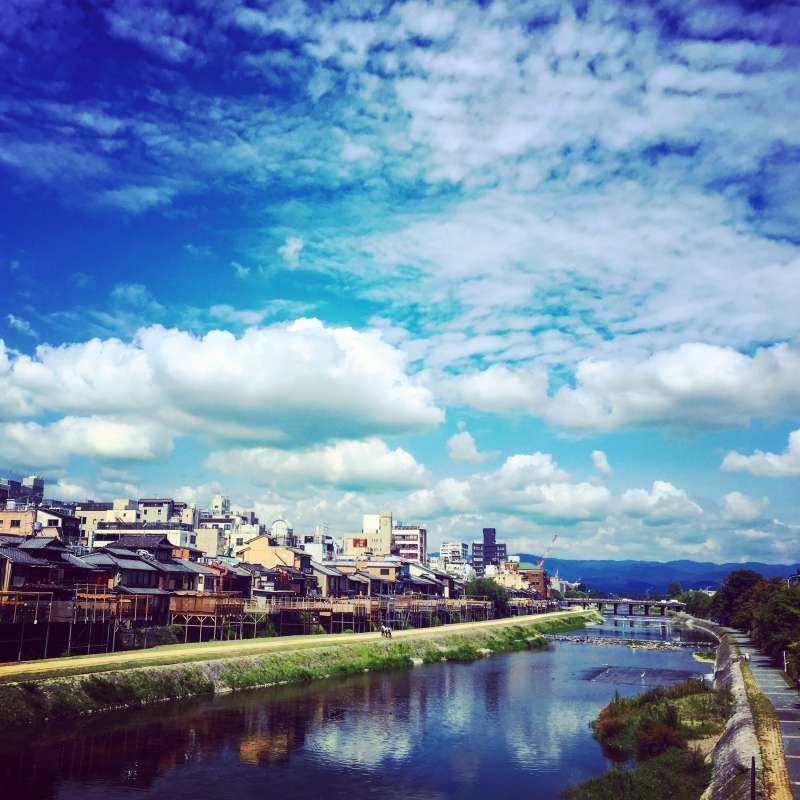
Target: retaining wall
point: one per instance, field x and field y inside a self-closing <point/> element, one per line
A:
<point x="738" y="744"/>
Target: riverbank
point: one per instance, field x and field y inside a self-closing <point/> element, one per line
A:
<point x="179" y="672"/>
<point x="662" y="731"/>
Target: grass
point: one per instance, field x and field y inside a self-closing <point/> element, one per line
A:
<point x="644" y="725"/>
<point x="705" y="655"/>
<point x="674" y="775"/>
<point x="67" y="697"/>
<point x="655" y="730"/>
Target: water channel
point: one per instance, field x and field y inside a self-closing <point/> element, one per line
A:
<point x="514" y="725"/>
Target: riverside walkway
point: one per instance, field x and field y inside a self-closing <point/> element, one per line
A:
<point x="785" y="701"/>
<point x="207" y="651"/>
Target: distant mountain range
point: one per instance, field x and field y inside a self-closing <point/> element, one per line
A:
<point x="639" y="577"/>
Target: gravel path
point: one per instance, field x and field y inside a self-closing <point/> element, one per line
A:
<point x="176" y="654"/>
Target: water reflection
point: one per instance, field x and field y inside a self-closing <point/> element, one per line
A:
<point x="505" y="724"/>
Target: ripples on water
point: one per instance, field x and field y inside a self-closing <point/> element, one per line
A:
<point x="507" y="726"/>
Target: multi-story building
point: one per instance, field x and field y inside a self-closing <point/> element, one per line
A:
<point x="60" y="523"/>
<point x="156" y="509"/>
<point x="91" y="513"/>
<point x="377" y="530"/>
<point x="18" y="521"/>
<point x="318" y="544"/>
<point x="454" y="552"/>
<point x="410" y="542"/>
<point x="220" y="506"/>
<point x="28" y="490"/>
<point x="488" y="551"/>
<point x="179" y="535"/>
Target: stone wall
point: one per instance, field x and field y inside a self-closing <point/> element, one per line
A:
<point x="738" y="743"/>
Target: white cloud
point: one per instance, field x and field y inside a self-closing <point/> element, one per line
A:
<point x="663" y="504"/>
<point x="738" y="507"/>
<point x="768" y="465"/>
<point x="34" y="444"/>
<point x="351" y="464"/>
<point x="66" y="490"/>
<point x="461" y="447"/>
<point x="21" y="326"/>
<point x="498" y="388"/>
<point x="290" y="251"/>
<point x="600" y="461"/>
<point x="294" y="382"/>
<point x="240" y="270"/>
<point x="138" y="199"/>
<point x="531" y="485"/>
<point x="692" y="386"/>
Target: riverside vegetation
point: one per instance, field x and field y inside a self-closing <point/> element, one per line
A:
<point x="34" y="702"/>
<point x="654" y="731"/>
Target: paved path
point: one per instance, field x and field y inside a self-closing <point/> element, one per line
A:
<point x="785" y="701"/>
<point x="176" y="654"/>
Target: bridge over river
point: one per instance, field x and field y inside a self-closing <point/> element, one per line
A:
<point x="621" y="606"/>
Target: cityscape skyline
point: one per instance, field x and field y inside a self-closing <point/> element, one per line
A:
<point x="532" y="267"/>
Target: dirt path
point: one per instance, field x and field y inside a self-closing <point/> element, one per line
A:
<point x="176" y="654"/>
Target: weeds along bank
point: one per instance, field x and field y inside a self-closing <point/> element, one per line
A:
<point x="654" y="736"/>
<point x="36" y="702"/>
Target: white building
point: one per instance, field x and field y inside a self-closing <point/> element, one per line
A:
<point x="454" y="552"/>
<point x="410" y="542"/>
<point x="220" y="505"/>
<point x="377" y="530"/>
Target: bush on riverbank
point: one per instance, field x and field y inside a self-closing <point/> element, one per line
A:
<point x="676" y="774"/>
<point x="656" y="728"/>
<point x="659" y="719"/>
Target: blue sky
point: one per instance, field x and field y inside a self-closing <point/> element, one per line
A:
<point x="529" y="265"/>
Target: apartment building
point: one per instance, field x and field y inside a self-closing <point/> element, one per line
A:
<point x="488" y="551"/>
<point x="410" y="542"/>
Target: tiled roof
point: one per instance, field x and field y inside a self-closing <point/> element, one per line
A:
<point x="17" y="556"/>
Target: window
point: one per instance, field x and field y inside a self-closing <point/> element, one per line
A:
<point x="15" y="523"/>
<point x="384" y="571"/>
<point x="51" y="522"/>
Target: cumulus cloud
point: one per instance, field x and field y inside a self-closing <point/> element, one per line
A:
<point x="529" y="484"/>
<point x="350" y="464"/>
<point x="461" y="448"/>
<point x="692" y="386"/>
<point x="42" y="445"/>
<point x="738" y="507"/>
<point x="768" y="465"/>
<point x="662" y="504"/>
<point x="600" y="461"/>
<point x="289" y="383"/>
<point x="66" y="490"/>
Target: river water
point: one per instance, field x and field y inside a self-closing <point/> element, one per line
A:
<point x="514" y="725"/>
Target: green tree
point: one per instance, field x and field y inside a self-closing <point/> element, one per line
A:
<point x="697" y="603"/>
<point x="674" y="589"/>
<point x="734" y="592"/>
<point x="486" y="587"/>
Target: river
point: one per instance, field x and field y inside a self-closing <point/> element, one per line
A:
<point x="514" y="725"/>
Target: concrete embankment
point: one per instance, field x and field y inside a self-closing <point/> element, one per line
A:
<point x="739" y="743"/>
<point x="46" y="699"/>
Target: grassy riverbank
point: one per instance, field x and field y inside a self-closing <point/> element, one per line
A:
<point x="656" y="730"/>
<point x="32" y="702"/>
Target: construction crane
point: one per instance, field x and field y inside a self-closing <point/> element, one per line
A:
<point x="547" y="551"/>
